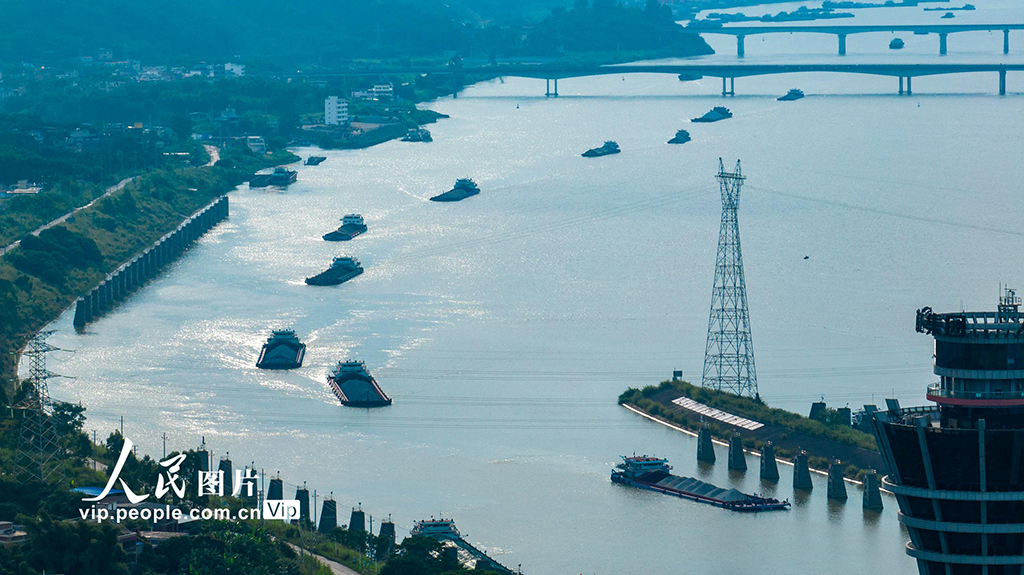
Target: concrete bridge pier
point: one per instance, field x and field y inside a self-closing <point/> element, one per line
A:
<point x="842" y="44"/>
<point x="769" y="467"/>
<point x="942" y="43"/>
<point x="705" y="447"/>
<point x="907" y="92"/>
<point x="802" y="472"/>
<point x="740" y="52"/>
<point x="1002" y="82"/>
<point x="731" y="90"/>
<point x="836" y="485"/>
<point x="1006" y="41"/>
<point x="737" y="461"/>
<point x="549" y="93"/>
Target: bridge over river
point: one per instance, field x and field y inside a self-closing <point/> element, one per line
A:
<point x="551" y="73"/>
<point x="943" y="30"/>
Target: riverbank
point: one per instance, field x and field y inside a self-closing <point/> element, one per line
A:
<point x="789" y="432"/>
<point x="45" y="274"/>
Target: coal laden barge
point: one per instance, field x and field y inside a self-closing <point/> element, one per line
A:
<point x="652" y="473"/>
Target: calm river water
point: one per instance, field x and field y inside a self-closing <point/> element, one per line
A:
<point x="505" y="326"/>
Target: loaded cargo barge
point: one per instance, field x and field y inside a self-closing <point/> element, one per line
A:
<point x="652" y="473"/>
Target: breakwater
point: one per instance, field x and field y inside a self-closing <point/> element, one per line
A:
<point x="133" y="273"/>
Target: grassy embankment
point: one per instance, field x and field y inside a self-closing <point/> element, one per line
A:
<point x="43" y="276"/>
<point x="788" y="431"/>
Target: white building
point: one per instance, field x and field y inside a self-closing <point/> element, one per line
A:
<point x="335" y="111"/>
<point x="234" y="70"/>
<point x="257" y="145"/>
<point x="384" y="91"/>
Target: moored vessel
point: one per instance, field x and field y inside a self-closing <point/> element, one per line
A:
<point x="342" y="269"/>
<point x="283" y="350"/>
<point x="418" y="135"/>
<point x="464" y="188"/>
<point x="315" y="160"/>
<point x="351" y="226"/>
<point x="353" y="385"/>
<point x="608" y="148"/>
<point x="652" y="473"/>
<point x="715" y="114"/>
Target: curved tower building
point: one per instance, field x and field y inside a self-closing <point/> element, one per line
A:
<point x="956" y="466"/>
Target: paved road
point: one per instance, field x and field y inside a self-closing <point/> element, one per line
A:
<point x="65" y="217"/>
<point x="214" y="153"/>
<point x="335" y="567"/>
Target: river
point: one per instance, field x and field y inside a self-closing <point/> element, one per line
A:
<point x="506" y="325"/>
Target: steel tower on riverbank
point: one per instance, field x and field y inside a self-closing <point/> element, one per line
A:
<point x="729" y="355"/>
<point x="40" y="451"/>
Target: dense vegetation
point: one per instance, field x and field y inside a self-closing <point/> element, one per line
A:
<point x="310" y="34"/>
<point x="43" y="277"/>
<point x="755" y="409"/>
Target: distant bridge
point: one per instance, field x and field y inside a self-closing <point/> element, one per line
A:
<point x="551" y="73"/>
<point x="943" y="30"/>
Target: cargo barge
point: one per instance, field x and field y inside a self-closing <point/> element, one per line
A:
<point x="353" y="385"/>
<point x="279" y="177"/>
<point x="652" y="473"/>
<point x="283" y="350"/>
<point x="351" y="226"/>
<point x="464" y="188"/>
<point x="341" y="270"/>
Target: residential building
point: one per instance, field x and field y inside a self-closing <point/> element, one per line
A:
<point x="335" y="111"/>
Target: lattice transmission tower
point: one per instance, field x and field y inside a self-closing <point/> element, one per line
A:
<point x="40" y="451"/>
<point x="729" y="355"/>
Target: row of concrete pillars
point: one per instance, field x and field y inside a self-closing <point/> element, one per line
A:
<point x="836" y="485"/>
<point x="134" y="273"/>
<point x="741" y="48"/>
<point x="328" y="519"/>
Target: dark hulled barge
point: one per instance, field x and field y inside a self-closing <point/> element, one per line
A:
<point x="283" y="350"/>
<point x="464" y="188"/>
<point x="607" y="149"/>
<point x="341" y="270"/>
<point x="351" y="226"/>
<point x="315" y="160"/>
<point x="652" y="473"/>
<point x="355" y="387"/>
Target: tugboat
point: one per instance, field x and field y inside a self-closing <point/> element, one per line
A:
<point x="283" y="176"/>
<point x="464" y="188"/>
<point x="417" y="135"/>
<point x="794" y="94"/>
<point x="341" y="270"/>
<point x="681" y="137"/>
<point x="607" y="149"/>
<point x="355" y="387"/>
<point x="351" y="226"/>
<point x="283" y="350"/>
<point x="896" y="44"/>
<point x="717" y="113"/>
<point x="652" y="473"/>
<point x="315" y="160"/>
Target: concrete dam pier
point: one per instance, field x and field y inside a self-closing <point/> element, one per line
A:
<point x="133" y="273"/>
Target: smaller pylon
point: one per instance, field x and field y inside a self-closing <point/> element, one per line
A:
<point x="802" y="472"/>
<point x="836" y="483"/>
<point x="769" y="467"/>
<point x="872" y="495"/>
<point x="737" y="461"/>
<point x="705" y="447"/>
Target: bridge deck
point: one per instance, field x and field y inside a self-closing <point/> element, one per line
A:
<point x="857" y="29"/>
